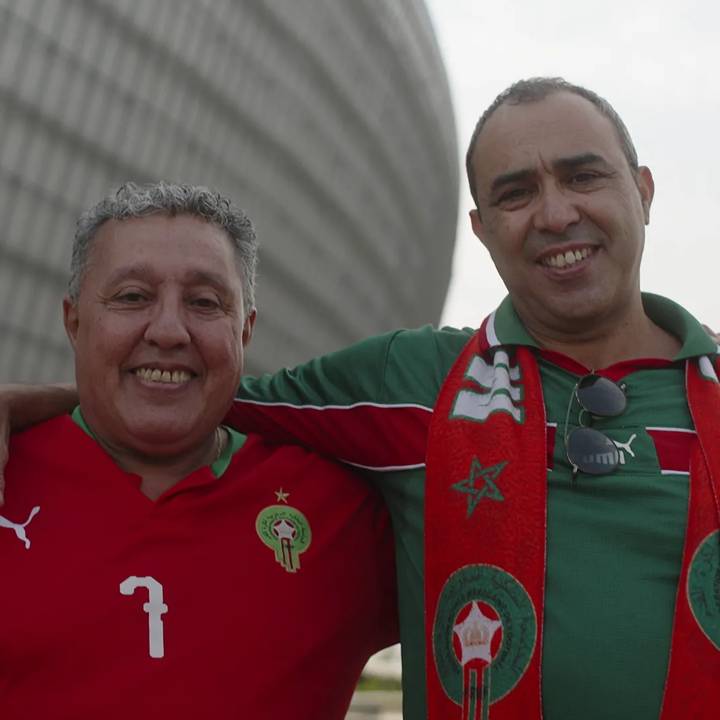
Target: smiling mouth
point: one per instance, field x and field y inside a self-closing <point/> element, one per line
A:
<point x="567" y="258"/>
<point x="168" y="377"/>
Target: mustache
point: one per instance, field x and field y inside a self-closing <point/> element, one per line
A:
<point x="584" y="232"/>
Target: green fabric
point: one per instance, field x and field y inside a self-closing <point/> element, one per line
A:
<point x="614" y="543"/>
<point x="237" y="440"/>
<point x="617" y="543"/>
<point x="665" y="313"/>
<point x="615" y="547"/>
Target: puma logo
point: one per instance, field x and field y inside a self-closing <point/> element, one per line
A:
<point x="625" y="448"/>
<point x="20" y="528"/>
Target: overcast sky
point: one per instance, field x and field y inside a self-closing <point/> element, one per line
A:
<point x="658" y="64"/>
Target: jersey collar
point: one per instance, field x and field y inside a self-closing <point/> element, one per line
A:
<point x="504" y="327"/>
<point x="237" y="440"/>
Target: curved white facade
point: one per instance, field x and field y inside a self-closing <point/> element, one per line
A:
<point x="329" y="121"/>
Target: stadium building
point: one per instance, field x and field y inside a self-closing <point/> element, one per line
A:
<point x="328" y="121"/>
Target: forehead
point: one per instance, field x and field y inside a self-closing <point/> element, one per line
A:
<point x="165" y="246"/>
<point x="562" y="125"/>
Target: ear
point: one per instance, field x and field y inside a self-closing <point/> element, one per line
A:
<point x="477" y="225"/>
<point x="71" y="320"/>
<point x="248" y="326"/>
<point x="646" y="187"/>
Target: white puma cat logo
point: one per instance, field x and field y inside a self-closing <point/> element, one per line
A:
<point x="625" y="448"/>
<point x="18" y="528"/>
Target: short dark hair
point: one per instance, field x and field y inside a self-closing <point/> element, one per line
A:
<point x="534" y="90"/>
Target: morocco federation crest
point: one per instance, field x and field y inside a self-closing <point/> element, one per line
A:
<point x="483" y="638"/>
<point x="286" y="531"/>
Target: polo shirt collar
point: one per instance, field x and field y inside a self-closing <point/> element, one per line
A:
<point x="504" y="327"/>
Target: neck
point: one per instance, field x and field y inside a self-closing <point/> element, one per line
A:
<point x="159" y="473"/>
<point x="605" y="343"/>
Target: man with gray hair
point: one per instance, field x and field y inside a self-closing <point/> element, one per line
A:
<point x="155" y="562"/>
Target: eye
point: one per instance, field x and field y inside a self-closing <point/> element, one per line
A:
<point x="204" y="302"/>
<point x="513" y="197"/>
<point x="583" y="177"/>
<point x="131" y="297"/>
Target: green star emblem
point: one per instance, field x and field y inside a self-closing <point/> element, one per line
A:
<point x="487" y="489"/>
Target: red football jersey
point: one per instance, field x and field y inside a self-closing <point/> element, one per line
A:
<point x="258" y="594"/>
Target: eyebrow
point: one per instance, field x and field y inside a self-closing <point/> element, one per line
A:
<point x="205" y="277"/>
<point x="141" y="270"/>
<point x="589" y="158"/>
<point x="567" y="163"/>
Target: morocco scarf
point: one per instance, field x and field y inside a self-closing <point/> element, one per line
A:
<point x="484" y="580"/>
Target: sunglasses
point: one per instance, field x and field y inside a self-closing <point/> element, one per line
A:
<point x="588" y="450"/>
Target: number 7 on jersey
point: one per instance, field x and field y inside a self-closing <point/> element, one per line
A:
<point x="154" y="607"/>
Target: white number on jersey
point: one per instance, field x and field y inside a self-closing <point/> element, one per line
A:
<point x="155" y="608"/>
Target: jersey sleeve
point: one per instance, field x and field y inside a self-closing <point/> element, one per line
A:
<point x="368" y="405"/>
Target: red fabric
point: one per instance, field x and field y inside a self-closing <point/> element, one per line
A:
<point x="325" y="429"/>
<point x="673" y="448"/>
<point x="692" y="689"/>
<point x="615" y="372"/>
<point x="509" y="534"/>
<point x="243" y="637"/>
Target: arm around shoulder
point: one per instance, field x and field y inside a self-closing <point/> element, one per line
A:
<point x="25" y="405"/>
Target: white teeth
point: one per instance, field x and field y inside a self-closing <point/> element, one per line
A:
<point x="176" y="377"/>
<point x="569" y="257"/>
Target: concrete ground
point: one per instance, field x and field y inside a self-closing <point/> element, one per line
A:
<point x="376" y="705"/>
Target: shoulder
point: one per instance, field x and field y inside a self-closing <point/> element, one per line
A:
<point x="418" y="361"/>
<point x="300" y="470"/>
<point x="427" y="340"/>
<point x="434" y="342"/>
<point x="46" y="435"/>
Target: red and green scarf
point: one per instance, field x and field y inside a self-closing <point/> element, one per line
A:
<point x="485" y="570"/>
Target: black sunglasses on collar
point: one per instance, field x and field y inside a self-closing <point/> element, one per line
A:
<point x="588" y="450"/>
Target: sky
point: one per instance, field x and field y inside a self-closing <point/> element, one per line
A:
<point x="657" y="63"/>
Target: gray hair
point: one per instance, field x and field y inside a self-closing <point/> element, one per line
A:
<point x="534" y="90"/>
<point x="131" y="200"/>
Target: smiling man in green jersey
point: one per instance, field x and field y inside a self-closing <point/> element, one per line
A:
<point x="554" y="477"/>
<point x="542" y="566"/>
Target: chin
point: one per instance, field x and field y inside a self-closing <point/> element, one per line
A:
<point x="573" y="316"/>
<point x="582" y="303"/>
<point x="160" y="432"/>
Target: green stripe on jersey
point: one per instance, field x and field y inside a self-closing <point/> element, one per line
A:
<point x="615" y="546"/>
<point x="407" y="366"/>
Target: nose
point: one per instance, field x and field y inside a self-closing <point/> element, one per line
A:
<point x="556" y="210"/>
<point x="166" y="327"/>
